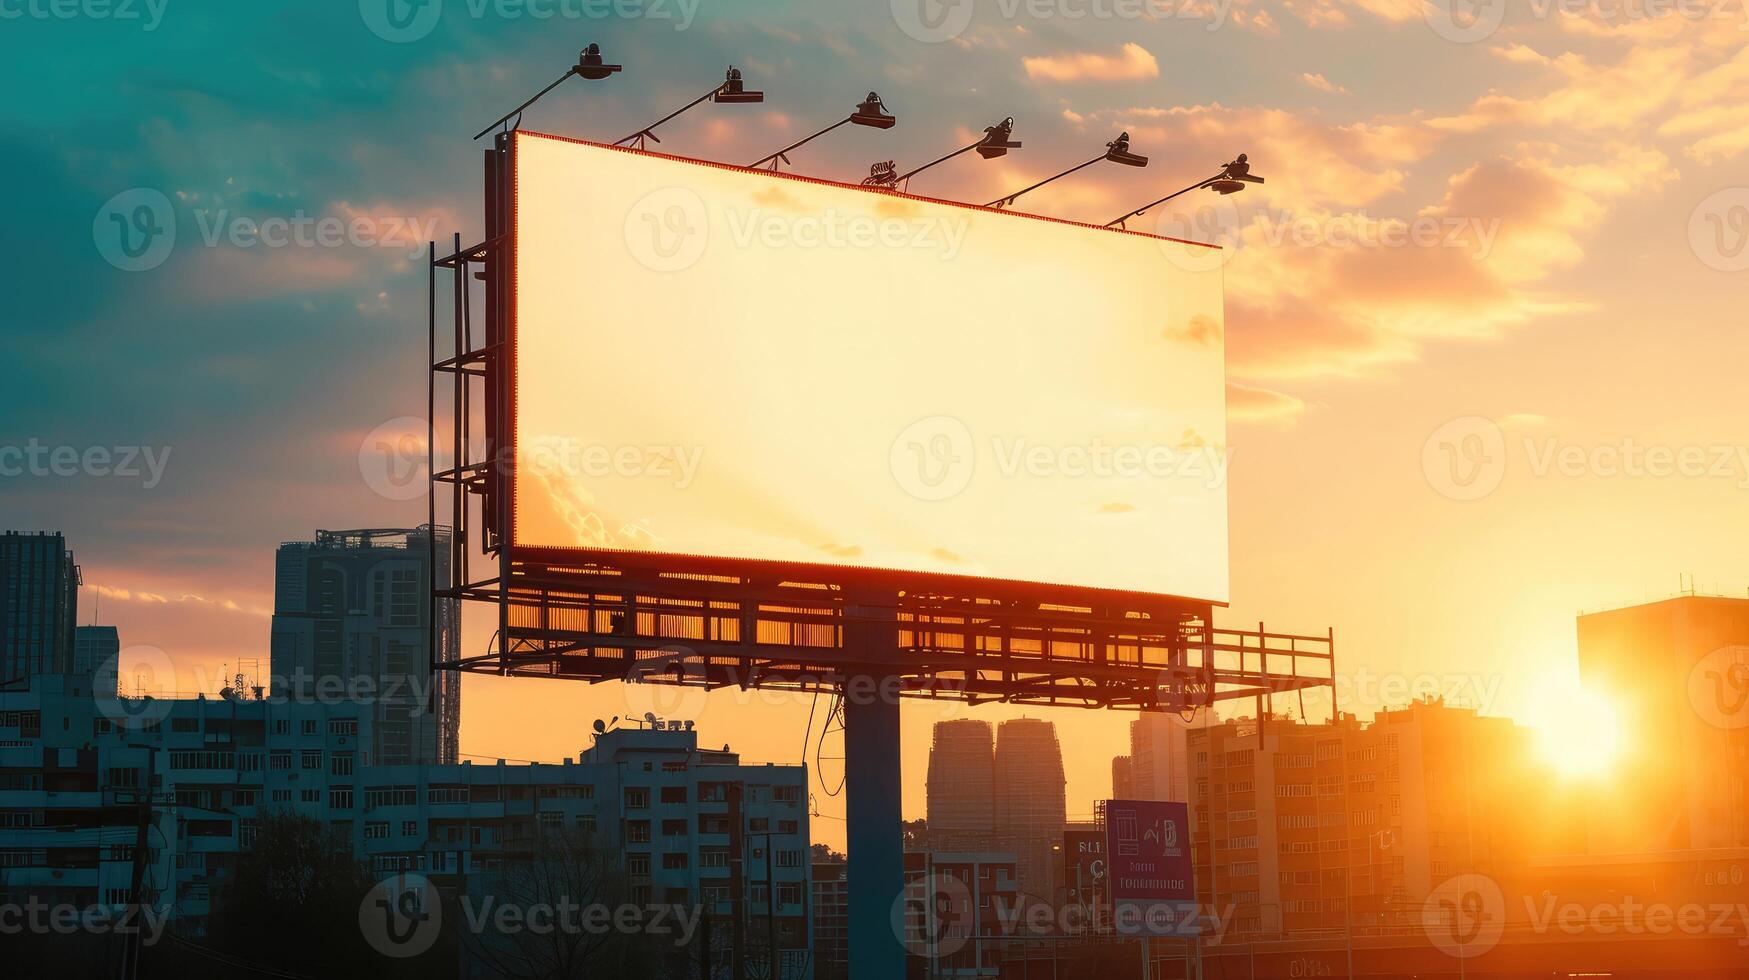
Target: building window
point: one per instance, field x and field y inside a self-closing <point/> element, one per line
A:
<point x="343" y="726"/>
<point x="674" y="861"/>
<point x="279" y="760"/>
<point x="310" y="759"/>
<point x="340" y="798"/>
<point x="673" y="794"/>
<point x="409" y="828"/>
<point x="309" y="726"/>
<point x="376" y="830"/>
<point x="340" y="764"/>
<point x="637" y="798"/>
<point x="637" y="831"/>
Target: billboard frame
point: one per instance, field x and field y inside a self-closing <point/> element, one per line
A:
<point x="709" y="621"/>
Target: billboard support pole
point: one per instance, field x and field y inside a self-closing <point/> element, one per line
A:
<point x="874" y="821"/>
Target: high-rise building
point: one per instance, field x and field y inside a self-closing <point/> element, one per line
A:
<point x="1290" y="823"/>
<point x="1160" y="756"/>
<point x="1030" y="810"/>
<point x="95" y="649"/>
<point x="961" y="787"/>
<point x="831" y="898"/>
<point x="39" y="606"/>
<point x="1676" y="673"/>
<point x="351" y="615"/>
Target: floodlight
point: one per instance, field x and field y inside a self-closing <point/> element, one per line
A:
<point x="1117" y="151"/>
<point x="869" y="112"/>
<point x="733" y="90"/>
<point x="1231" y="180"/>
<point x="589" y="65"/>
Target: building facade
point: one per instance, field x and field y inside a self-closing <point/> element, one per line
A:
<point x="960" y="792"/>
<point x="39" y="606"/>
<point x="1030" y="804"/>
<point x="351" y="614"/>
<point x="82" y="771"/>
<point x="1677" y="674"/>
<point x="1314" y="829"/>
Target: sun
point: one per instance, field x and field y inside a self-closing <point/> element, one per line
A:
<point x="1580" y="734"/>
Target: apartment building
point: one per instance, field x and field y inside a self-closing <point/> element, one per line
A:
<point x="80" y="769"/>
<point x="1299" y="827"/>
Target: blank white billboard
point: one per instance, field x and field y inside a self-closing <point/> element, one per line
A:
<point x="721" y="362"/>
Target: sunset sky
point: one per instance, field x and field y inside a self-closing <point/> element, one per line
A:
<point x="1484" y="323"/>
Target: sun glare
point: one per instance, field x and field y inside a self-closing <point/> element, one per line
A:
<point x="1580" y="734"/>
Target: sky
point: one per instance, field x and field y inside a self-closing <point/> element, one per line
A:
<point x="1484" y="321"/>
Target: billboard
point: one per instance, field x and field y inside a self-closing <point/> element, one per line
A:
<point x="1148" y="860"/>
<point x="733" y="364"/>
<point x="1084" y="874"/>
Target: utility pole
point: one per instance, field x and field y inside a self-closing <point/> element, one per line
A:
<point x="770" y="909"/>
<point x="130" y="966"/>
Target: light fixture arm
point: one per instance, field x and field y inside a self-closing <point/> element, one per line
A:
<point x="1003" y="202"/>
<point x="783" y="153"/>
<point x="907" y="176"/>
<point x="1154" y="204"/>
<point x="501" y="120"/>
<point x="647" y="131"/>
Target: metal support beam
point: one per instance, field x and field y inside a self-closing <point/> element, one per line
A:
<point x="875" y="869"/>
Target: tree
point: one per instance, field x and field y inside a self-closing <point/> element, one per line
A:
<point x="293" y="901"/>
<point x="551" y="913"/>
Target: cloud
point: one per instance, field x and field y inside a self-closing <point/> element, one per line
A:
<point x="1322" y="84"/>
<point x="1248" y="404"/>
<point x="152" y="597"/>
<point x="1132" y="62"/>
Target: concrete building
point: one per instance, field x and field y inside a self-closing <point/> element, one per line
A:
<point x="960" y="793"/>
<point x="351" y="614"/>
<point x="1677" y="674"/>
<point x="681" y="824"/>
<point x="1030" y="806"/>
<point x="1292" y="823"/>
<point x="955" y="904"/>
<point x="831" y="909"/>
<point x="1160" y="757"/>
<point x="39" y="606"/>
<point x="95" y="648"/>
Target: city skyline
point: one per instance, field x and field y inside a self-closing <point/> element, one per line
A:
<point x="1178" y="487"/>
<point x="1543" y="345"/>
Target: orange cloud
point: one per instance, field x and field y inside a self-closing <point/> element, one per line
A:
<point x="1132" y="62"/>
